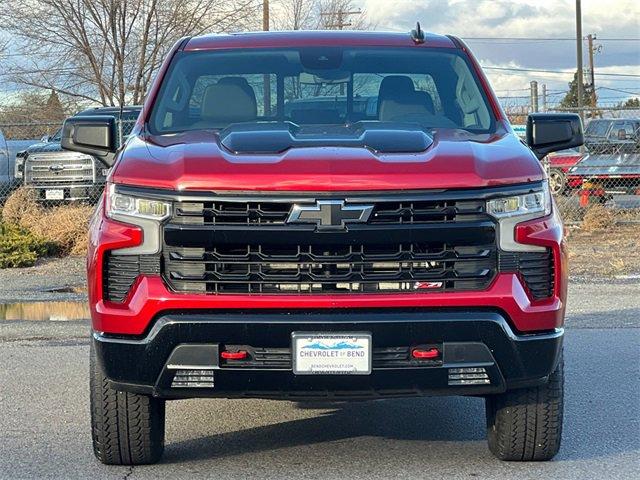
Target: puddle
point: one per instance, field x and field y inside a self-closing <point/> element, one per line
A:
<point x="65" y="290"/>
<point x="45" y="311"/>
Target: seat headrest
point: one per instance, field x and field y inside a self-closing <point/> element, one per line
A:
<point x="240" y="82"/>
<point x="226" y="102"/>
<point x="395" y="85"/>
<point x="398" y="98"/>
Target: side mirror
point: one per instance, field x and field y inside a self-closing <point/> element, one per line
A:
<point x="622" y="134"/>
<point x="93" y="135"/>
<point x="45" y="139"/>
<point x="551" y="132"/>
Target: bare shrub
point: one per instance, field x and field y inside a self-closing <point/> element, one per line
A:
<point x="597" y="218"/>
<point x="22" y="202"/>
<point x="64" y="226"/>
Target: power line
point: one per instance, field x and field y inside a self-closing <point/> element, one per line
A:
<point x="513" y="69"/>
<point x="618" y="90"/>
<point x="549" y="39"/>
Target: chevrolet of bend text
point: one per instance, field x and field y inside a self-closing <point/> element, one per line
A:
<point x="325" y="216"/>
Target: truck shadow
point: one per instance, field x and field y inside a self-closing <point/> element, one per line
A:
<point x="418" y="419"/>
<point x="601" y="416"/>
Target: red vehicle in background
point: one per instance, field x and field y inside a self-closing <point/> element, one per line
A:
<point x="560" y="180"/>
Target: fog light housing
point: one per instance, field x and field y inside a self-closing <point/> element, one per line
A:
<point x="469" y="376"/>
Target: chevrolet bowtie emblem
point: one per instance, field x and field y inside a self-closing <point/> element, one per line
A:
<point x="330" y="214"/>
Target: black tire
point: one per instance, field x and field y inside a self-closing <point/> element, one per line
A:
<point x="127" y="429"/>
<point x="557" y="181"/>
<point x="526" y="424"/>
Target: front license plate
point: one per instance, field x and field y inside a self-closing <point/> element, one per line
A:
<point x="316" y="353"/>
<point x="54" y="194"/>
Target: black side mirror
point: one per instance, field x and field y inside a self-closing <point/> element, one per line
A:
<point x="93" y="135"/>
<point x="622" y="134"/>
<point x="551" y="132"/>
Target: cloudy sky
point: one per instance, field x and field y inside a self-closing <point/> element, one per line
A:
<point x="610" y="20"/>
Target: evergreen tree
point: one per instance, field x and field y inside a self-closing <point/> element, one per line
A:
<point x="570" y="100"/>
<point x="630" y="103"/>
<point x="55" y="110"/>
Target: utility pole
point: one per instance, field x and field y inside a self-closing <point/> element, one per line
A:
<point x="534" y="96"/>
<point x="590" y="39"/>
<point x="544" y="97"/>
<point x="579" y="55"/>
<point x="267" y="79"/>
<point x="265" y="15"/>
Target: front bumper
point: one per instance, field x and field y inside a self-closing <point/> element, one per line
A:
<point x="71" y="192"/>
<point x="478" y="339"/>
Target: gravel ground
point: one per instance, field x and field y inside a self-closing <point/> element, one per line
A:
<point x="53" y="279"/>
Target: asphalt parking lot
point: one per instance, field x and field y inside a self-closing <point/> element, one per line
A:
<point x="44" y="421"/>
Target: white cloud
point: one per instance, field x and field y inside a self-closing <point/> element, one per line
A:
<point x="527" y="18"/>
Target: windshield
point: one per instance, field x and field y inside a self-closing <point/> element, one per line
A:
<point x="433" y="88"/>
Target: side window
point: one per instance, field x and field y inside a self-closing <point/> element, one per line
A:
<point x="469" y="98"/>
<point x="616" y="129"/>
<point x="623" y="130"/>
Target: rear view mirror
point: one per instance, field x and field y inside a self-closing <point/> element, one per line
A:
<point x="92" y="135"/>
<point x="551" y="132"/>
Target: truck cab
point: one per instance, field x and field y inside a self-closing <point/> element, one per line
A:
<point x="258" y="240"/>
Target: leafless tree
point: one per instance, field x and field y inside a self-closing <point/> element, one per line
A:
<point x="107" y="51"/>
<point x="294" y="14"/>
<point x="318" y="15"/>
<point x="341" y="14"/>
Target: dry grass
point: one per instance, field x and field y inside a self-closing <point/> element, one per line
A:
<point x="21" y="203"/>
<point x="598" y="218"/>
<point x="605" y="252"/>
<point x="64" y="226"/>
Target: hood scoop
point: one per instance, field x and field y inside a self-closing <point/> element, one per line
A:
<point x="278" y="137"/>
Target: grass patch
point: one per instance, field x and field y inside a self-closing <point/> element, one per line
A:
<point x="21" y="248"/>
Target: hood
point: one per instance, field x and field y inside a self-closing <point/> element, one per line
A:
<point x="197" y="161"/>
<point x="44" y="147"/>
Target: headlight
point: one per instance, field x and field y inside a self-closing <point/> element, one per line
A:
<point x="527" y="204"/>
<point x="129" y="206"/>
<point x="146" y="213"/>
<point x="18" y="169"/>
<point x="510" y="211"/>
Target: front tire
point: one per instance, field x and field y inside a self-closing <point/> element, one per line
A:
<point x="557" y="181"/>
<point x="127" y="429"/>
<point x="526" y="424"/>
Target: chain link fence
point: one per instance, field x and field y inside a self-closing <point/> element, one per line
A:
<point x="50" y="193"/>
<point x="31" y="159"/>
<point x="603" y="176"/>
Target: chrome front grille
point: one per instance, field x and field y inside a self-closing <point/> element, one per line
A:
<point x="58" y="168"/>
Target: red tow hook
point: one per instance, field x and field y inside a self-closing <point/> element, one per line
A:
<point x="422" y="354"/>
<point x="240" y="355"/>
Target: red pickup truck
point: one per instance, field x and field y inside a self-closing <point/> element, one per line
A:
<point x="253" y="242"/>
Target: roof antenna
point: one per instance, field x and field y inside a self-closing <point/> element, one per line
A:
<point x="417" y="35"/>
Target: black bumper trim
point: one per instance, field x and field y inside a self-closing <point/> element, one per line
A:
<point x="470" y="338"/>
